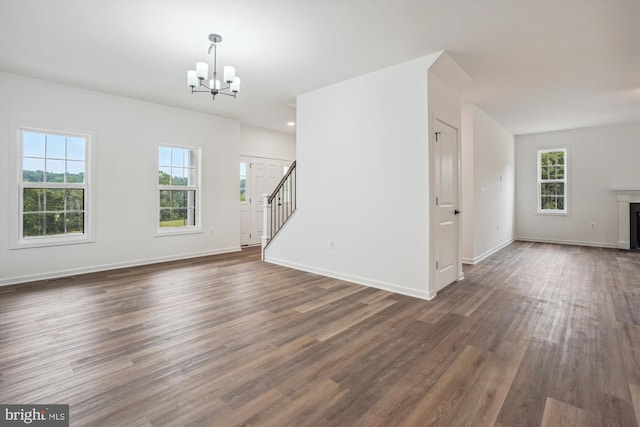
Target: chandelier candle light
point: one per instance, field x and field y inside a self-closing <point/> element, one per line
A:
<point x="198" y="78"/>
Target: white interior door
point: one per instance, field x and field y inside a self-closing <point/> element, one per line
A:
<point x="265" y="175"/>
<point x="446" y="193"/>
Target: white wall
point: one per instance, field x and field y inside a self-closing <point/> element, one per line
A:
<point x="600" y="158"/>
<point x="363" y="182"/>
<point x="489" y="185"/>
<point x="467" y="176"/>
<point x="128" y="133"/>
<point x="258" y="142"/>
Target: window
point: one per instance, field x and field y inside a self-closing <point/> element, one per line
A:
<point x="552" y="181"/>
<point x="53" y="187"/>
<point x="178" y="188"/>
<point x="243" y="182"/>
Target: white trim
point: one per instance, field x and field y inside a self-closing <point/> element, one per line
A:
<point x="426" y="295"/>
<point x="105" y="267"/>
<point x="486" y="254"/>
<point x="567" y="242"/>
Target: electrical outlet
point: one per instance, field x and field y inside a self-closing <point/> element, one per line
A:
<point x="211" y="230"/>
<point x="592" y="225"/>
<point x="331" y="246"/>
<point x="497" y="228"/>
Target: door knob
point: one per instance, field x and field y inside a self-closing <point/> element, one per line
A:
<point x="457" y="212"/>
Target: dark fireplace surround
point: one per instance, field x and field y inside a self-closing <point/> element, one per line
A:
<point x="634" y="220"/>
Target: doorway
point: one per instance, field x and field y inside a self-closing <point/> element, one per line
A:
<point x="258" y="176"/>
<point x="445" y="221"/>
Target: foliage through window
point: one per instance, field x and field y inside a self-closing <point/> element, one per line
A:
<point x="243" y="182"/>
<point x="178" y="186"/>
<point x="53" y="185"/>
<point x="552" y="181"/>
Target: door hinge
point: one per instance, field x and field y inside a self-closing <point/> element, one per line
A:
<point x="249" y="235"/>
<point x="436" y="265"/>
<point x="437" y="133"/>
<point x="436" y="201"/>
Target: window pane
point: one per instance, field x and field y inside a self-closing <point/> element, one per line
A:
<point x="32" y="170"/>
<point x="75" y="200"/>
<point x="55" y="170"/>
<point x="560" y="201"/>
<point x="560" y="172"/>
<point x="165" y="218"/>
<point x="33" y="200"/>
<point x="75" y="148"/>
<point x="164" y="156"/>
<point x="54" y="200"/>
<point x="33" y="144"/>
<point x="243" y="190"/>
<point x="75" y="171"/>
<point x="56" y="146"/>
<point x="179" y="199"/>
<point x="179" y="217"/>
<point x="33" y="225"/>
<point x="75" y="223"/>
<point x="544" y="172"/>
<point x="54" y="224"/>
<point x="552" y="172"/>
<point x="165" y="198"/>
<point x="178" y="176"/>
<point x="177" y="157"/>
<point x="164" y="176"/>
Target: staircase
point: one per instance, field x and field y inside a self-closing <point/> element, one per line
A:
<point x="279" y="206"/>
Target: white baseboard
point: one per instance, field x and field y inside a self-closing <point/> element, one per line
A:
<point x="568" y="242"/>
<point x="354" y="279"/>
<point x="104" y="267"/>
<point x="488" y="253"/>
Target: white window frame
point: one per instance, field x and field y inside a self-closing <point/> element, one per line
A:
<point x="189" y="229"/>
<point x="540" y="181"/>
<point x="19" y="241"/>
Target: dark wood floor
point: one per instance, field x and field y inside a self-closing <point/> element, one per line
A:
<point x="535" y="335"/>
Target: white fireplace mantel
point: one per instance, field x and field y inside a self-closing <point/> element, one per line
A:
<point x="625" y="197"/>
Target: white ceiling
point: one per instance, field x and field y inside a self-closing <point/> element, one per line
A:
<point x="536" y="65"/>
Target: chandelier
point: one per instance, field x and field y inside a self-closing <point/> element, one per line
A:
<point x="199" y="78"/>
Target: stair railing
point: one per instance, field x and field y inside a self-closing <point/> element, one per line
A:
<point x="278" y="207"/>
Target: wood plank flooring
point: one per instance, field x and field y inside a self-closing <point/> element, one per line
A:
<point x="536" y="335"/>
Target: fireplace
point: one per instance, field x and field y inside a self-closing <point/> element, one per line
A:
<point x="628" y="218"/>
<point x="634" y="223"/>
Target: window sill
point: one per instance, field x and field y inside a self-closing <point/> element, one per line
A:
<point x="552" y="213"/>
<point x="42" y="242"/>
<point x="178" y="231"/>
